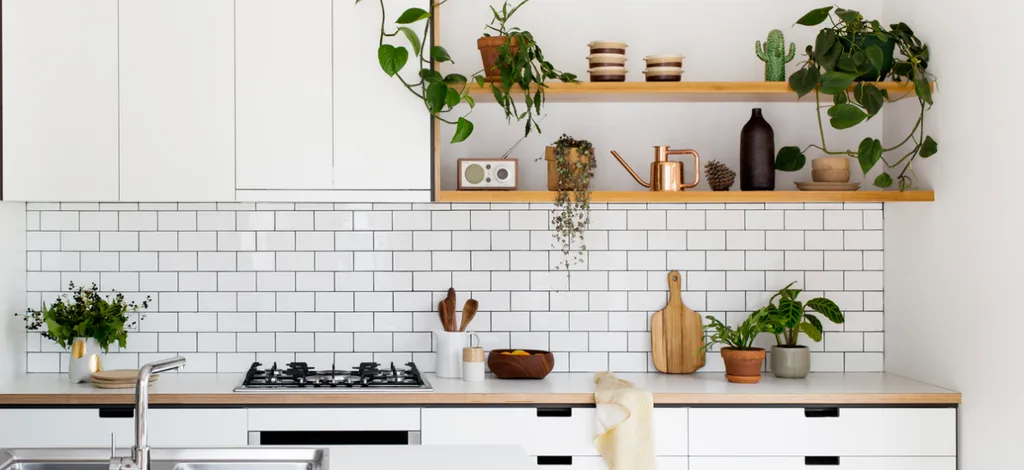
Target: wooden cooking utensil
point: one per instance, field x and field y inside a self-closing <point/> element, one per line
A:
<point x="443" y="314"/>
<point x="677" y="334"/>
<point x="449" y="307"/>
<point x="468" y="312"/>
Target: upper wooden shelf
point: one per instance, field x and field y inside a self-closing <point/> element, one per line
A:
<point x="696" y="196"/>
<point x="674" y="91"/>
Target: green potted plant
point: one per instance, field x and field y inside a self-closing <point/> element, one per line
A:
<point x="742" y="360"/>
<point x="847" y="51"/>
<point x="86" y="323"/>
<point x="571" y="166"/>
<point x="788" y="319"/>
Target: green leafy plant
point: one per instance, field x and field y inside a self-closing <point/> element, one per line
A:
<point x="86" y="315"/>
<point x="842" y="52"/>
<point x="571" y="215"/>
<point x="440" y="94"/>
<point x="741" y="337"/>
<point x="790" y="318"/>
<point x="521" y="64"/>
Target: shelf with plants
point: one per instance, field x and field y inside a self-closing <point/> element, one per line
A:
<point x="694" y="196"/>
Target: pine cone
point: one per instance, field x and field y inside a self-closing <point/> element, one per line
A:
<point x="719" y="176"/>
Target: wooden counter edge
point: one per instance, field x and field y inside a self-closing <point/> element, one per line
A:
<point x="950" y="398"/>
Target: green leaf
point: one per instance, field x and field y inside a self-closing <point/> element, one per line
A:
<point x="868" y="153"/>
<point x="412" y="15"/>
<point x="804" y="81"/>
<point x="790" y="159"/>
<point x="827" y="308"/>
<point x="875" y="56"/>
<point x="392" y="58"/>
<point x="845" y="116"/>
<point x="437" y="93"/>
<point x="871" y="99"/>
<point x="929" y="147"/>
<point x="462" y="130"/>
<point x="812" y="328"/>
<point x="480" y="81"/>
<point x="790" y="312"/>
<point x="848" y="16"/>
<point x="414" y="40"/>
<point x="455" y="79"/>
<point x="883" y="180"/>
<point x="826" y="38"/>
<point x="840" y="98"/>
<point x="846" y="63"/>
<point x="452" y="98"/>
<point x="439" y="54"/>
<point x="923" y="89"/>
<point x="470" y="101"/>
<point x="834" y="82"/>
<point x="814" y="17"/>
<point x="431" y="76"/>
<point x="829" y="58"/>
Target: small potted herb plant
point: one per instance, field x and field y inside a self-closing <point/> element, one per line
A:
<point x="86" y="323"/>
<point x="790" y="318"/>
<point x="571" y="165"/>
<point x="742" y="360"/>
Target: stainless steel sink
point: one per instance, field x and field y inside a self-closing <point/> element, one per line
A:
<point x="245" y="458"/>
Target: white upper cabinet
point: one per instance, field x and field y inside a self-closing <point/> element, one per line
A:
<point x="177" y="100"/>
<point x="382" y="133"/>
<point x="283" y="90"/>
<point x="60" y="100"/>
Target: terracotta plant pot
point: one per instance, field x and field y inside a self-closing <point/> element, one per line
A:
<point x="830" y="170"/>
<point x="549" y="155"/>
<point x="743" y="366"/>
<point x="489" y="54"/>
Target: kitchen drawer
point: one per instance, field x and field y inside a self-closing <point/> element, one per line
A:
<point x="334" y="419"/>
<point x="597" y="463"/>
<point x="845" y="463"/>
<point x="542" y="431"/>
<point x="823" y="431"/>
<point x="78" y="427"/>
<point x="203" y="427"/>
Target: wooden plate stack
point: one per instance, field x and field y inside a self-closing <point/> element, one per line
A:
<point x="124" y="378"/>
<point x="607" y="61"/>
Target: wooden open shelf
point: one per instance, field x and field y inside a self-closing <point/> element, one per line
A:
<point x="696" y="196"/>
<point x="675" y="91"/>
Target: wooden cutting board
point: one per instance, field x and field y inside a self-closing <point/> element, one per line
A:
<point x="120" y="376"/>
<point x="677" y="334"/>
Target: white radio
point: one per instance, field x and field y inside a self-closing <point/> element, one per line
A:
<point x="488" y="173"/>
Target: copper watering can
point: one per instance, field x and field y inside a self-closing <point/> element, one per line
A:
<point x="665" y="175"/>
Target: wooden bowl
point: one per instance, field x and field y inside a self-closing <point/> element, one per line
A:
<point x="535" y="366"/>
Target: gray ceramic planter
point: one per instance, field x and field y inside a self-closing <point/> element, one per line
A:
<point x="791" y="362"/>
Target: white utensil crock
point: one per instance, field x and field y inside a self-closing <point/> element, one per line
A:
<point x="448" y="347"/>
<point x="86" y="359"/>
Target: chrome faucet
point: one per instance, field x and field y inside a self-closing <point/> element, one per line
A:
<point x="139" y="459"/>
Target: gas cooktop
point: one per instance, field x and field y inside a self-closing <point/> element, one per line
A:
<point x="369" y="377"/>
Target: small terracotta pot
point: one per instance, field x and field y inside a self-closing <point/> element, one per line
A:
<point x="743" y="366"/>
<point x="830" y="170"/>
<point x="489" y="54"/>
<point x="549" y="156"/>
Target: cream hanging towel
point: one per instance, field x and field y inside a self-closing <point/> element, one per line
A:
<point x="624" y="435"/>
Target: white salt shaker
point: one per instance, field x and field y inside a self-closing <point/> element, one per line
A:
<point x="473" y="364"/>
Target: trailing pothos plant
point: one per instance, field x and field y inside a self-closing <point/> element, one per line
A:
<point x="440" y="94"/>
<point x="87" y="315"/>
<point x="571" y="215"/>
<point x="841" y="53"/>
<point x="521" y="64"/>
<point x="742" y="337"/>
<point x="790" y="317"/>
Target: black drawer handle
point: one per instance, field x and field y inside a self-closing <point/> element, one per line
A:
<point x="821" y="461"/>
<point x="117" y="412"/>
<point x="554" y="412"/>
<point x="554" y="460"/>
<point x="821" y="412"/>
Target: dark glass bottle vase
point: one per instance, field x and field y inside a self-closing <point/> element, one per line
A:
<point x="757" y="154"/>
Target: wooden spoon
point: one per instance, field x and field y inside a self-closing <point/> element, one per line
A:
<point x="449" y="307"/>
<point x="468" y="312"/>
<point x="443" y="313"/>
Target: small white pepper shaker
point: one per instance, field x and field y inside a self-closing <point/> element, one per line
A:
<point x="473" y="364"/>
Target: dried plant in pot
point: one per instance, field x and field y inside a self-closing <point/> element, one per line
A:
<point x="571" y="166"/>
<point x="788" y="319"/>
<point x="742" y="360"/>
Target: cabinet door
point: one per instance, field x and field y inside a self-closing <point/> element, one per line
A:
<point x="284" y="85"/>
<point x="844" y="463"/>
<point x="597" y="463"/>
<point x="82" y="427"/>
<point x="59" y="100"/>
<point x="206" y="427"/>
<point x="382" y="132"/>
<point x="177" y="100"/>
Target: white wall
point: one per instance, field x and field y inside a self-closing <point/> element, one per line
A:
<point x="952" y="280"/>
<point x="12" y="286"/>
<point x="717" y="39"/>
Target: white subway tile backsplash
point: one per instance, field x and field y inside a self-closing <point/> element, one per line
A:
<point x="646" y="220"/>
<point x="220" y="262"/>
<point x="215" y="221"/>
<point x="449" y="220"/>
<point x="863" y="240"/>
<point x="262" y="241"/>
<point x="725" y="220"/>
<point x="764" y="220"/>
<point x="252" y="221"/>
<point x="298" y="220"/>
<point x="805" y="220"/>
<point x="197" y="241"/>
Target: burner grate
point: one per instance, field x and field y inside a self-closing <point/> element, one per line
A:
<point x="366" y="377"/>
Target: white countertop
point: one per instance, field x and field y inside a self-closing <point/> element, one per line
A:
<point x="560" y="388"/>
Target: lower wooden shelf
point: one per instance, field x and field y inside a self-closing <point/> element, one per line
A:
<point x="695" y="196"/>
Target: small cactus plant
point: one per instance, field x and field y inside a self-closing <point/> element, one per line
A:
<point x="773" y="53"/>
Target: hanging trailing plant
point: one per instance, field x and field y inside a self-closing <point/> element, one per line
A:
<point x="575" y="164"/>
<point x="854" y="49"/>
